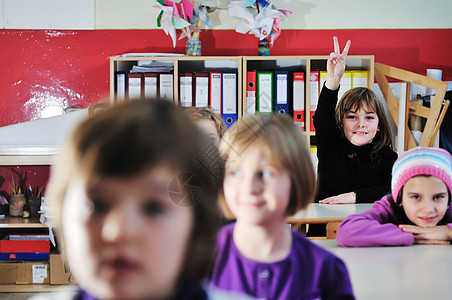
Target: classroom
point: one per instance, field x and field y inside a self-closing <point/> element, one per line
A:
<point x="67" y="61"/>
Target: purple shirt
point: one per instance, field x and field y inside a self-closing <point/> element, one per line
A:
<point x="308" y="272"/>
<point x="373" y="228"/>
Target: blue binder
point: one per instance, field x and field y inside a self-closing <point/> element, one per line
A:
<point x="282" y="92"/>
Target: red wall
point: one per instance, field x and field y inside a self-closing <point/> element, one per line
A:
<point x="45" y="68"/>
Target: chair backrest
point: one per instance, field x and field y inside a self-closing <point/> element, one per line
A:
<point x="331" y="229"/>
<point x="433" y="114"/>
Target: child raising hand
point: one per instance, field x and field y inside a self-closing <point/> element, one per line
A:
<point x="353" y="140"/>
<point x="416" y="212"/>
<point x="269" y="176"/>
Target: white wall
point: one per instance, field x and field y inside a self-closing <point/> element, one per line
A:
<point x="308" y="14"/>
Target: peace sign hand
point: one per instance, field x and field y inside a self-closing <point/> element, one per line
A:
<point x="335" y="65"/>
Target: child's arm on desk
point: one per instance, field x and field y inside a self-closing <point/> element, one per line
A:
<point x="438" y="235"/>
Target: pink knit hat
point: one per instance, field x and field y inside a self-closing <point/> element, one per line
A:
<point x="421" y="161"/>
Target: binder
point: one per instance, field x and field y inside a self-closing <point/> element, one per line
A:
<point x="229" y="96"/>
<point x="298" y="99"/>
<point x="121" y="85"/>
<point x="150" y="85"/>
<point x="251" y="92"/>
<point x="346" y="83"/>
<point x="215" y="92"/>
<point x="360" y="79"/>
<point x="166" y="89"/>
<point x="134" y="86"/>
<point x="265" y="92"/>
<point x="282" y="92"/>
<point x="186" y="89"/>
<point x="314" y="94"/>
<point x="323" y="75"/>
<point x="201" y="89"/>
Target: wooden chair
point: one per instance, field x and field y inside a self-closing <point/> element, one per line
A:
<point x="434" y="114"/>
<point x="331" y="229"/>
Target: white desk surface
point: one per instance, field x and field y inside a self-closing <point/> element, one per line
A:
<point x="322" y="213"/>
<point x="402" y="273"/>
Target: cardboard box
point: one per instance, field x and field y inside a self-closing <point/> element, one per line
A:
<point x="24" y="272"/>
<point x="59" y="270"/>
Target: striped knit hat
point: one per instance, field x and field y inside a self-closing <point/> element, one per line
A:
<point x="421" y="161"/>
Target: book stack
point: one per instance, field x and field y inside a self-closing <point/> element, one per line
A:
<point x="25" y="247"/>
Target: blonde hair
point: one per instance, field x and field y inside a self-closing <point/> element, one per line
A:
<point x="130" y="138"/>
<point x="206" y="113"/>
<point x="286" y="148"/>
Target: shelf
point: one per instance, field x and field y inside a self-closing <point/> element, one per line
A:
<point x="34" y="288"/>
<point x="18" y="222"/>
<point x="35" y="155"/>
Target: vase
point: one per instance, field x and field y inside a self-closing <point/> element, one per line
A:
<point x="16" y="205"/>
<point x="193" y="47"/>
<point x="263" y="47"/>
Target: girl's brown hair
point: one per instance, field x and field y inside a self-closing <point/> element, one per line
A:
<point x="357" y="98"/>
<point x="206" y="113"/>
<point x="286" y="147"/>
<point x="130" y="138"/>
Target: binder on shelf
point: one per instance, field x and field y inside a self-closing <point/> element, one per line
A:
<point x="201" y="89"/>
<point x="134" y="86"/>
<point x="166" y="89"/>
<point x="299" y="99"/>
<point x="11" y="246"/>
<point x="150" y="85"/>
<point x="24" y="256"/>
<point x="121" y="85"/>
<point x="215" y="92"/>
<point x="229" y="96"/>
<point x="282" y="92"/>
<point x="265" y="92"/>
<point x="360" y="79"/>
<point x="322" y="79"/>
<point x="251" y="92"/>
<point x="186" y="89"/>
<point x="314" y="94"/>
<point x="346" y="83"/>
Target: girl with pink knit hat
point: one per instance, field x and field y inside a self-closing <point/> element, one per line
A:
<point x="416" y="212"/>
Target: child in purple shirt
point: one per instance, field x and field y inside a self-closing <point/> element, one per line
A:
<point x="417" y="211"/>
<point x="269" y="176"/>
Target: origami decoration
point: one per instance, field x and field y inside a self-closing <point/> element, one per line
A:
<point x="186" y="15"/>
<point x="257" y="17"/>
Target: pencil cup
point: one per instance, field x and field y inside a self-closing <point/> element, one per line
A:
<point x="263" y="47"/>
<point x="35" y="206"/>
<point x="193" y="47"/>
<point x="16" y="205"/>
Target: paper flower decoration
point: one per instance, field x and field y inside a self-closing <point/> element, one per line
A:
<point x="186" y="15"/>
<point x="257" y="17"/>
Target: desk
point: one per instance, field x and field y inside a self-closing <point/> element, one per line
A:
<point x="324" y="213"/>
<point x="402" y="273"/>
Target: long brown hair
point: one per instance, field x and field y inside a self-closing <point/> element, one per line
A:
<point x="355" y="99"/>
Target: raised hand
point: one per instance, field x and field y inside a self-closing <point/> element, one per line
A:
<point x="335" y="65"/>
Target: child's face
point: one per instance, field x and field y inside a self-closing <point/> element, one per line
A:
<point x="361" y="126"/>
<point x="125" y="238"/>
<point x="208" y="127"/>
<point x="425" y="200"/>
<point x="256" y="192"/>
